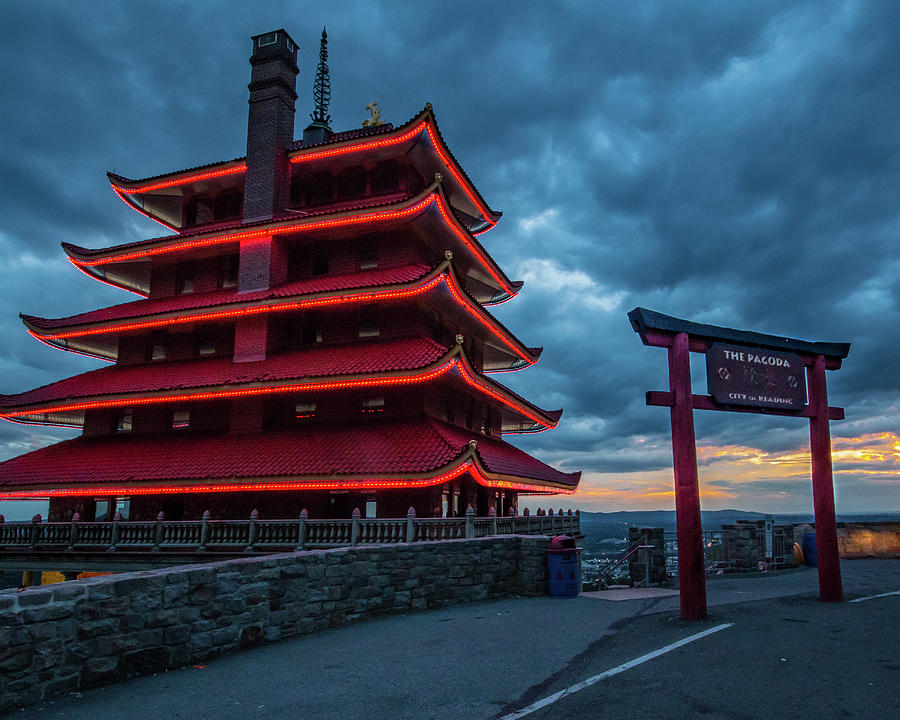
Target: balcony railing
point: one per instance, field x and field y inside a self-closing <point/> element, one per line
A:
<point x="236" y="536"/>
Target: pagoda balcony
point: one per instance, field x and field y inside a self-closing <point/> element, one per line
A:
<point x="123" y="545"/>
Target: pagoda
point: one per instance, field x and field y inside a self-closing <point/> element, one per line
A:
<point x="313" y="333"/>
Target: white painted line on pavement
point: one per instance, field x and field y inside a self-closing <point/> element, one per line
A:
<point x="572" y="689"/>
<point x="872" y="597"/>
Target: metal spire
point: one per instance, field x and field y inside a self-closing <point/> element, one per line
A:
<point x="322" y="85"/>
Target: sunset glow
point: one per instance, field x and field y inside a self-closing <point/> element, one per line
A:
<point x="750" y="478"/>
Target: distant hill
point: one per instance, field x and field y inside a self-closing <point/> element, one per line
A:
<point x="616" y="524"/>
<point x="600" y="525"/>
<point x="606" y="533"/>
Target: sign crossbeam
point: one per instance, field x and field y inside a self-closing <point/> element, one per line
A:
<point x="747" y="372"/>
<point x="661" y="398"/>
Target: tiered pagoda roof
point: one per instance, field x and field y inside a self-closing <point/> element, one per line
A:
<point x="426" y="339"/>
<point x="429" y="214"/>
<point x="97" y="332"/>
<point x="378" y="453"/>
<point x="372" y="365"/>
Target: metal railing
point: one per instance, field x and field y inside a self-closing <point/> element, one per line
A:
<point x="713" y="550"/>
<point x="716" y="554"/>
<point x="631" y="551"/>
<point x="207" y="535"/>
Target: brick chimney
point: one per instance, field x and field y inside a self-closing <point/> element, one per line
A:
<point x="267" y="182"/>
<point x="270" y="128"/>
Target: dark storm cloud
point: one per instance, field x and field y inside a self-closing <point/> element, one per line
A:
<point x="732" y="163"/>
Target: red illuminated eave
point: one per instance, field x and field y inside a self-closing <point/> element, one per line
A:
<point x="97" y="333"/>
<point x="117" y="265"/>
<point x="155" y="197"/>
<point x="161" y="198"/>
<point x="66" y="401"/>
<point x="420" y="129"/>
<point x="372" y="454"/>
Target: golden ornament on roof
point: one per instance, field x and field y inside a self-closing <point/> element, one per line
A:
<point x="373" y="108"/>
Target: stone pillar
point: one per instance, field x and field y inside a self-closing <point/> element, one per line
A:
<point x="637" y="565"/>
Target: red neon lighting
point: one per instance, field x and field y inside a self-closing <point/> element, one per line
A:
<point x="403" y="137"/>
<point x="455" y="362"/>
<point x="303" y="226"/>
<point x="482" y="479"/>
<point x="141" y="210"/>
<point x="469" y="466"/>
<point x="244" y="392"/>
<point x="471" y="380"/>
<point x="376" y="295"/>
<point x="452" y="223"/>
<point x="346" y="484"/>
<point x="420" y="287"/>
<point x="451" y="166"/>
<point x="68" y="349"/>
<point x="180" y="180"/>
<point x="104" y="280"/>
<point x="357" y="147"/>
<point x="476" y="312"/>
<point x="71" y="426"/>
<point x="379" y="216"/>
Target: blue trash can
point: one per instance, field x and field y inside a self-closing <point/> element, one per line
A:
<point x="563" y="568"/>
<point x="810" y="554"/>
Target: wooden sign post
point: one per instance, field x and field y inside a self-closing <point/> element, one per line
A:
<point x="746" y="372"/>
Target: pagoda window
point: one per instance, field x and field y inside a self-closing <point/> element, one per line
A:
<point x="305" y="410"/>
<point x="372" y="405"/>
<point x="227" y="205"/>
<point x="320" y="265"/>
<point x="157" y="348"/>
<point x="371" y="507"/>
<point x="125" y="422"/>
<point x="311" y="335"/>
<point x="206" y="342"/>
<point x="122" y="507"/>
<point x="386" y="177"/>
<point x="267" y="39"/>
<point x="351" y="183"/>
<point x="184" y="278"/>
<point x="368" y="258"/>
<point x="485" y="420"/>
<point x="101" y="510"/>
<point x="369" y="329"/>
<point x="181" y="419"/>
<point x="228" y="272"/>
<point x="320" y="190"/>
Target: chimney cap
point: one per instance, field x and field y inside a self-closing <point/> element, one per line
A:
<point x="272" y="38"/>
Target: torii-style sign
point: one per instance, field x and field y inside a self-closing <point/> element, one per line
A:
<point x="746" y="372"/>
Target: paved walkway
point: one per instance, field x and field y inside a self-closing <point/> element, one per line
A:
<point x="783" y="654"/>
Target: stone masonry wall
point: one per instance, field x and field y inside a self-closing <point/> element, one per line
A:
<point x="65" y="637"/>
<point x="637" y="569"/>
<point x="861" y="539"/>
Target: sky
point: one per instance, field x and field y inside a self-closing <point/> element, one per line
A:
<point x="729" y="163"/>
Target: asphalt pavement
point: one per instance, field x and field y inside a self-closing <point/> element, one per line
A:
<point x="781" y="654"/>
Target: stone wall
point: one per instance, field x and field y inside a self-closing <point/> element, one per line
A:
<point x="637" y="568"/>
<point x="862" y="539"/>
<point x="744" y="545"/>
<point x="60" y="638"/>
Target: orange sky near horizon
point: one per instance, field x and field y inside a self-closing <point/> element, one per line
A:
<point x="748" y="478"/>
